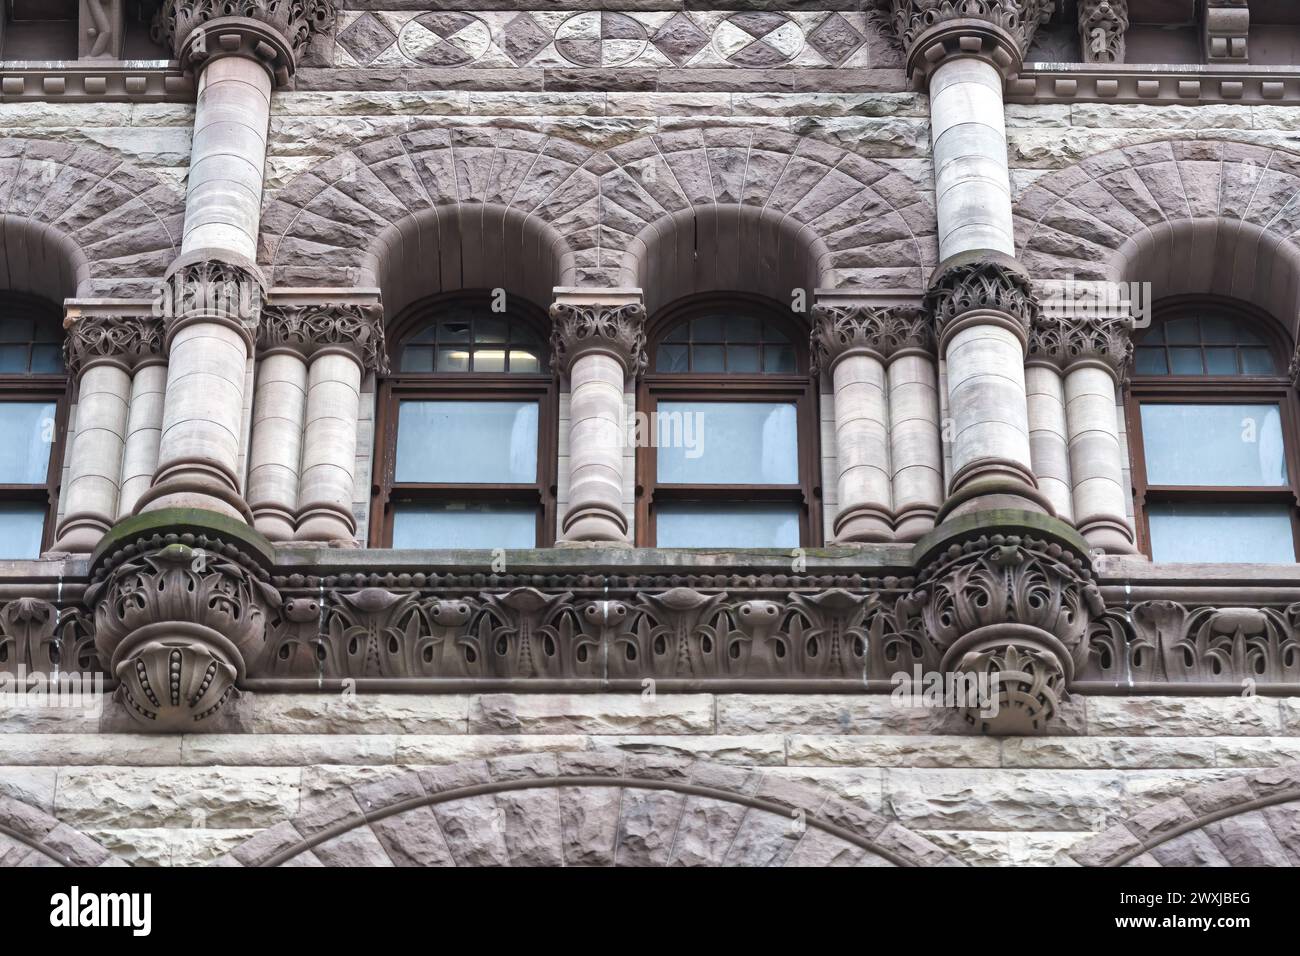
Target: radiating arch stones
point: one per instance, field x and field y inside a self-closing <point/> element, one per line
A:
<point x="79" y="221"/>
<point x="594" y="808"/>
<point x="498" y="201"/>
<point x="1189" y="216"/>
<point x="31" y="837"/>
<point x="1249" y="820"/>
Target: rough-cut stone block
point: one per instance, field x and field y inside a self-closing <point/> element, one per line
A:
<point x="121" y="797"/>
<point x="1183" y="716"/>
<point x="743" y="750"/>
<point x="893" y="751"/>
<point x="1002" y="799"/>
<point x="353" y="714"/>
<point x="1108" y="752"/>
<point x="356" y="847"/>
<point x="413" y="838"/>
<point x="474" y="830"/>
<point x="591" y="714"/>
<point x="647" y="821"/>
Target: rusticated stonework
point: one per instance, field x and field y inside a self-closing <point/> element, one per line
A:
<point x="128" y="340"/>
<point x="1066" y="341"/>
<point x="838" y="330"/>
<point x="982" y="283"/>
<point x="1102" y="24"/>
<point x="176" y="619"/>
<point x="306" y="329"/>
<point x="199" y="30"/>
<point x="615" y="330"/>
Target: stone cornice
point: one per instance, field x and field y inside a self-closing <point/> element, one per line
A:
<point x="310" y="328"/>
<point x="839" y="330"/>
<point x="126" y="340"/>
<point x="578" y="328"/>
<point x="273" y="32"/>
<point x="1154" y="85"/>
<point x="100" y="81"/>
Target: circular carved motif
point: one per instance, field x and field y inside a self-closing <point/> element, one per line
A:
<point x="600" y="38"/>
<point x="445" y="39"/>
<point x="758" y="39"/>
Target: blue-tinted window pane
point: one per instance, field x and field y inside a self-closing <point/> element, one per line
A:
<point x="21" y="527"/>
<point x="1182" y="331"/>
<point x="453" y="360"/>
<point x="13" y="358"/>
<point x="1186" y="362"/>
<point x="1221" y="361"/>
<point x="1226" y="533"/>
<point x="467" y="442"/>
<point x="708" y="525"/>
<point x="26" y="429"/>
<point x="1257" y="362"/>
<point x="1213" y="445"/>
<point x="708" y="358"/>
<point x="489" y="360"/>
<point x="464" y="525"/>
<point x="47" y="359"/>
<point x="1152" y="362"/>
<point x="743" y="358"/>
<point x="672" y="358"/>
<point x="778" y="358"/>
<point x="417" y="358"/>
<point x="728" y="443"/>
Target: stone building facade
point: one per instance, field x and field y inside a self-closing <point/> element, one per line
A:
<point x="448" y="434"/>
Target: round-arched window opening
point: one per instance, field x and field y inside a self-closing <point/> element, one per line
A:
<point x="1212" y="424"/>
<point x="727" y="343"/>
<point x="470" y="337"/>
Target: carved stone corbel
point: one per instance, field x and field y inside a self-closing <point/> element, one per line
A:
<point x="1226" y="30"/>
<point x="1102" y="24"/>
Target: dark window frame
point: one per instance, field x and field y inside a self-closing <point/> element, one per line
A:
<point x="1273" y="389"/>
<point x="798" y="387"/>
<point x="399" y="386"/>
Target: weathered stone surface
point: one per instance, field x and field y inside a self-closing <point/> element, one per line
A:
<point x="355" y="714"/>
<point x="705" y="831"/>
<point x="413" y="838"/>
<point x="745" y="750"/>
<point x="893" y="751"/>
<point x="279" y="750"/>
<point x="474" y="830"/>
<point x="1183" y="716"/>
<point x="647" y="821"/>
<point x="872" y="714"/>
<point x="1001" y="799"/>
<point x="532" y="826"/>
<point x="172" y="796"/>
<point x="1109" y="752"/>
<point x="591" y="714"/>
<point x="357" y="847"/>
<point x="589" y="824"/>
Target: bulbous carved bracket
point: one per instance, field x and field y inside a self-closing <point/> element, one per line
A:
<point x="1014" y="610"/>
<point x="581" y="328"/>
<point x="273" y="32"/>
<point x="882" y="331"/>
<point x="177" y="616"/>
<point x="308" y="329"/>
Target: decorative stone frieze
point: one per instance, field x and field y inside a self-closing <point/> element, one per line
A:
<point x="839" y="330"/>
<point x="177" y="616"/>
<point x="1066" y="341"/>
<point x="999" y="31"/>
<point x="1102" y="24"/>
<point x="982" y="282"/>
<point x="583" y="328"/>
<point x="274" y="32"/>
<point x="336" y="326"/>
<point x="36" y="637"/>
<point x="1013" y="608"/>
<point x="127" y="340"/>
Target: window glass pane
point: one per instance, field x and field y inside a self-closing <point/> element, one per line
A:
<point x="731" y="443"/>
<point x="672" y="358"/>
<point x="459" y="524"/>
<point x="417" y="359"/>
<point x="13" y="358"/>
<point x="489" y="330"/>
<point x="1213" y="445"/>
<point x="467" y="442"/>
<point x="453" y="331"/>
<point x="17" y="330"/>
<point x="708" y="358"/>
<point x="1257" y="362"/>
<point x="523" y="361"/>
<point x="1221" y="331"/>
<point x="742" y="328"/>
<point x="743" y="358"/>
<point x="1221" y="533"/>
<point x="453" y="360"/>
<point x="1181" y="331"/>
<point x="21" y="527"/>
<point x="1221" y="361"/>
<point x="1186" y="362"/>
<point x="778" y="358"/>
<point x="47" y="359"/>
<point x="26" y="429"/>
<point x="707" y="329"/>
<point x="489" y="360"/>
<point x="1152" y="362"/>
<point x="691" y="524"/>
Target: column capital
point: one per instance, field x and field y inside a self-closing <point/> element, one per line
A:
<point x="609" y="321"/>
<point x="308" y="329"/>
<point x="274" y="33"/>
<point x="844" y="323"/>
<point x="981" y="282"/>
<point x="932" y="31"/>
<point x="207" y="286"/>
<point x="128" y="340"/>
<point x="1102" y="24"/>
<point x="1068" y="341"/>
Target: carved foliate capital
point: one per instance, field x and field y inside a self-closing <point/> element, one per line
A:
<point x="211" y="289"/>
<point x="581" y="328"/>
<point x="982" y="282"/>
<point x="127" y="340"/>
<point x="999" y="31"/>
<point x="1067" y="341"/>
<point x="176" y="619"/>
<point x="308" y="329"/>
<point x="838" y="330"/>
<point x="273" y="32"/>
<point x="1102" y="24"/>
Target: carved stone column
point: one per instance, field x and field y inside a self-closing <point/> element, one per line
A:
<point x="301" y="471"/>
<point x="1092" y="353"/>
<point x="1102" y="24"/>
<point x="881" y="364"/>
<point x="108" y="355"/>
<point x="239" y="53"/>
<point x="983" y="307"/>
<point x="598" y="342"/>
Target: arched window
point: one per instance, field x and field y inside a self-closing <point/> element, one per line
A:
<point x="1213" y="430"/>
<point x="727" y="448"/>
<point x="32" y="388"/>
<point x="466" y="431"/>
